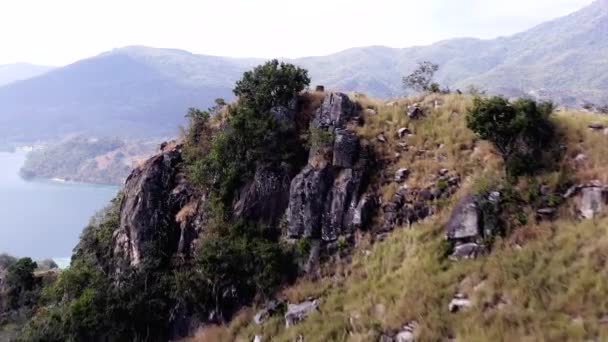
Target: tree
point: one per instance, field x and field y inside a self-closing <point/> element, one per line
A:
<point x="520" y="131"/>
<point x="271" y="84"/>
<point x="20" y="275"/>
<point x="422" y="78"/>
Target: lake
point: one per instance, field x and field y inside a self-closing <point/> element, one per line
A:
<point x="44" y="219"/>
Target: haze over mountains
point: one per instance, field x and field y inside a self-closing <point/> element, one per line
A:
<point x="21" y="71"/>
<point x="143" y="92"/>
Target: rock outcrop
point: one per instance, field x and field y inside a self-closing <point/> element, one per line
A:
<point x="298" y="312"/>
<point x="468" y="226"/>
<point x="326" y="199"/>
<point x="591" y="198"/>
<point x="158" y="201"/>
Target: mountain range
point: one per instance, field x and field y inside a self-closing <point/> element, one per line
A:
<point x="142" y="92"/>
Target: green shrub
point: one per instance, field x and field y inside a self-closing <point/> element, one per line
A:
<point x="520" y="131"/>
<point x="271" y="84"/>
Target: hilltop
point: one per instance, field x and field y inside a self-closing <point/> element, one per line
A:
<point x="141" y="91"/>
<point x="324" y="216"/>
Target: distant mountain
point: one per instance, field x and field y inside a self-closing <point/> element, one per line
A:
<point x="129" y="92"/>
<point x="564" y="59"/>
<point x="21" y="71"/>
<point x="144" y="92"/>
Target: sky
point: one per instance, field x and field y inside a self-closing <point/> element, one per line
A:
<point x="59" y="32"/>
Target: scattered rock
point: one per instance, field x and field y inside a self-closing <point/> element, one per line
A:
<point x="269" y="309"/>
<point x="437" y="104"/>
<point x="596" y="126"/>
<point x="546" y="213"/>
<point x="592" y="202"/>
<point x="414" y="112"/>
<point x="298" y="312"/>
<point x="464" y="222"/>
<point x="258" y="338"/>
<point x="580" y="158"/>
<point x="386" y="338"/>
<point x="465" y="251"/>
<point x="402" y="174"/>
<point x="403" y="132"/>
<point x="443" y="172"/>
<point x="381" y="138"/>
<point x="408" y="333"/>
<point x="460" y="302"/>
<point x="370" y="111"/>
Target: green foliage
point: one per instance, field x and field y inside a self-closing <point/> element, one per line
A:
<point x="20" y="275"/>
<point x="271" y="84"/>
<point x="252" y="135"/>
<point x="520" y="131"/>
<point x="245" y="259"/>
<point x="422" y="78"/>
<point x="95" y="244"/>
<point x="319" y="137"/>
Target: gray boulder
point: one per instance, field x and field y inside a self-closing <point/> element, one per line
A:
<point x="592" y="202"/>
<point x="464" y="223"/>
<point x="469" y="250"/>
<point x="297" y="312"/>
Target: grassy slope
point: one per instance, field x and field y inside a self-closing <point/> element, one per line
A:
<point x="546" y="282"/>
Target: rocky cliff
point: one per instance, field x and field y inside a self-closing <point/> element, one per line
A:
<point x="324" y="200"/>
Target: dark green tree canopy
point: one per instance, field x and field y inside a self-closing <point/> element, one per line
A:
<point x="519" y="130"/>
<point x="271" y="84"/>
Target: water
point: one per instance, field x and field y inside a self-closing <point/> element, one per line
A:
<point x="44" y="219"/>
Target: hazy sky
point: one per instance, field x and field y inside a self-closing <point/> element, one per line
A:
<point x="59" y="32"/>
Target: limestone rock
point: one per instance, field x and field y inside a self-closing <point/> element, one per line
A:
<point x="269" y="309"/>
<point x="346" y="149"/>
<point x="401" y="175"/>
<point x="298" y="312"/>
<point x="464" y="222"/>
<point x="459" y="302"/>
<point x="306" y="201"/>
<point x="592" y="202"/>
<point x="469" y="250"/>
<point x="154" y="194"/>
<point x="337" y="109"/>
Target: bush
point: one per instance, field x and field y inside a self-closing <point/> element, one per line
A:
<point x="251" y="135"/>
<point x="241" y="262"/>
<point x="520" y="131"/>
<point x="271" y="84"/>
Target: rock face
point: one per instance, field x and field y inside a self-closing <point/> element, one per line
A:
<point x="265" y="198"/>
<point x="326" y="197"/>
<point x="464" y="223"/>
<point x="157" y="200"/>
